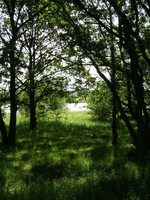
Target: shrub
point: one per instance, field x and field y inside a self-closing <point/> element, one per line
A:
<point x="99" y="101"/>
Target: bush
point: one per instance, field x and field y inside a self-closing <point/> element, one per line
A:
<point x="53" y="105"/>
<point x="99" y="101"/>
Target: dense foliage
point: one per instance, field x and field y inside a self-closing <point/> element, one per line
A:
<point x="99" y="101"/>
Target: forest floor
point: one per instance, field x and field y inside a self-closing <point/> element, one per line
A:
<point x="69" y="156"/>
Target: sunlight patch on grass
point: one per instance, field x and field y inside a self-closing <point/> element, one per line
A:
<point x="27" y="166"/>
<point x="54" y="158"/>
<point x="79" y="117"/>
<point x="70" y="159"/>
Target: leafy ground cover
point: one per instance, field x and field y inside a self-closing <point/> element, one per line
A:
<point x="70" y="157"/>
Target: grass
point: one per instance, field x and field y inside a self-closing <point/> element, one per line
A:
<point x="70" y="158"/>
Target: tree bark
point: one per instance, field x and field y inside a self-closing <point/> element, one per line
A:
<point x="113" y="82"/>
<point x="32" y="86"/>
<point x="32" y="111"/>
<point x="3" y="130"/>
<point x="13" y="102"/>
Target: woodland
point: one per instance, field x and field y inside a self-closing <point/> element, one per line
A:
<point x="54" y="52"/>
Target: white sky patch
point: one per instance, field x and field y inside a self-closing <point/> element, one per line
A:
<point x="95" y="75"/>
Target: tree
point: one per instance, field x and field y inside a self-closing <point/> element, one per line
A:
<point x="91" y="30"/>
<point x="42" y="69"/>
<point x="12" y="16"/>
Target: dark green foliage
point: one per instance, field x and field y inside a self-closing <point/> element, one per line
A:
<point x="56" y="102"/>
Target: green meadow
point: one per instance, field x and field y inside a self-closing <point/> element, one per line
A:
<point x="70" y="157"/>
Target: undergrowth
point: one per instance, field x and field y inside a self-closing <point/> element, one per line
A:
<point x="70" y="159"/>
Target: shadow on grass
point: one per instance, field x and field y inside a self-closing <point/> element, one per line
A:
<point x="54" y="145"/>
<point x="61" y="135"/>
<point x="66" y="162"/>
<point x="118" y="184"/>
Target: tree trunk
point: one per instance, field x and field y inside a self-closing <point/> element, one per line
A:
<point x="32" y="113"/>
<point x="147" y="140"/>
<point x="137" y="79"/>
<point x="114" y="127"/>
<point x="113" y="82"/>
<point x="3" y="130"/>
<point x="32" y="90"/>
<point x="127" y="121"/>
<point x="13" y="102"/>
<point x="141" y="146"/>
<point x="143" y="137"/>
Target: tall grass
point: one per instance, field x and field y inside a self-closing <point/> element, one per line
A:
<point x="70" y="158"/>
